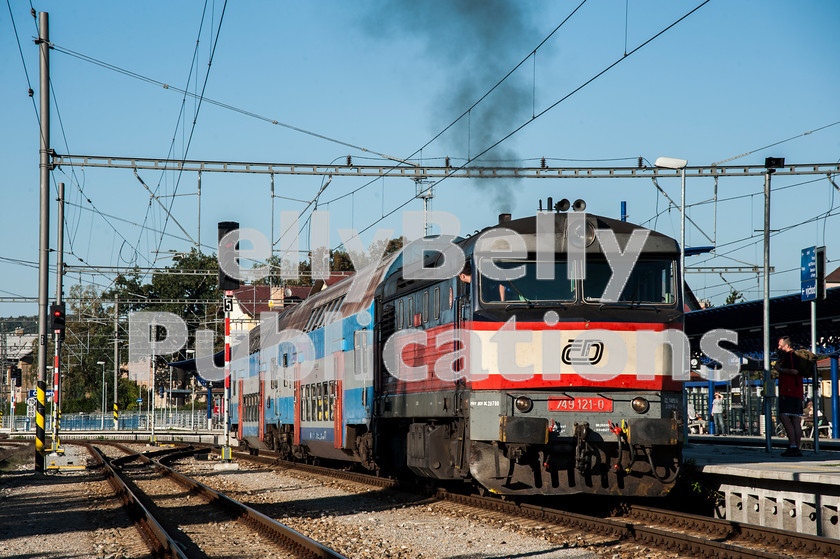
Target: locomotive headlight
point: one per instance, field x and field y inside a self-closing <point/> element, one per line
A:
<point x="582" y="234"/>
<point x="640" y="405"/>
<point x="523" y="404"/>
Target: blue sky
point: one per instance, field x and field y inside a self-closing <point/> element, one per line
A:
<point x="388" y="76"/>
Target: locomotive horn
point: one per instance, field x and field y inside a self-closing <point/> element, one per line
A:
<point x="579" y="205"/>
<point x="562" y="205"/>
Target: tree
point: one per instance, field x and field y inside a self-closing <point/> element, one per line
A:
<point x="734" y="296"/>
<point x="339" y="261"/>
<point x="89" y="338"/>
<point x="195" y="298"/>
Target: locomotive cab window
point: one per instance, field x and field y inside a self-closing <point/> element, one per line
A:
<point x="527" y="289"/>
<point x="650" y="282"/>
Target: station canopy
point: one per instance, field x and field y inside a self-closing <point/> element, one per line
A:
<point x="789" y="316"/>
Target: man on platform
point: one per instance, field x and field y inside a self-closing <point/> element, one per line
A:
<point x="791" y="369"/>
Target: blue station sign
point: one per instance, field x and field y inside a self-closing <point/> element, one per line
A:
<point x="808" y="274"/>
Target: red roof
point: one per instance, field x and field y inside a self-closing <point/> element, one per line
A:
<point x="253" y="299"/>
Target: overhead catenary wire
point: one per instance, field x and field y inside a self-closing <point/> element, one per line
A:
<point x="195" y="119"/>
<point x="181" y="112"/>
<point x="222" y="105"/>
<point x="539" y="114"/>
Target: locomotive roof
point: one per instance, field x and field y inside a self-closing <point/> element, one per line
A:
<point x="526" y="227"/>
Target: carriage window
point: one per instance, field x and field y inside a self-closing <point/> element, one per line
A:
<point x="437" y="303"/>
<point x="425" y="306"/>
<point x="320" y="406"/>
<point x="305" y="401"/>
<point x="325" y="400"/>
<point x="400" y="316"/>
<point x="411" y="312"/>
<point x="312" y="408"/>
<point x="274" y="374"/>
<point x="651" y="282"/>
<point x="362" y="357"/>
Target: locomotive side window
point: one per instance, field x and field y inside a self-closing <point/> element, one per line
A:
<point x="410" y="312"/>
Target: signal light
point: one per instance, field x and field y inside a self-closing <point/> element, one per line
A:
<point x="16" y="376"/>
<point x="57" y="317"/>
<point x="227" y="283"/>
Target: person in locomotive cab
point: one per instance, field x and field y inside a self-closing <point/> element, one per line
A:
<point x="791" y="368"/>
<point x="466" y="274"/>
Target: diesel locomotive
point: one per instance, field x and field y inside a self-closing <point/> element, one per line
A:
<point x="541" y="367"/>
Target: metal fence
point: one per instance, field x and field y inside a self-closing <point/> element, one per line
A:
<point x="130" y="421"/>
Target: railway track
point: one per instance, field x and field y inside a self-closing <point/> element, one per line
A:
<point x="175" y="524"/>
<point x="676" y="532"/>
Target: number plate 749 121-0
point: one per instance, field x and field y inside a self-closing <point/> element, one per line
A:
<point x="593" y="404"/>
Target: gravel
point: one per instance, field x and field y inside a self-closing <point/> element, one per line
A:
<point x="64" y="514"/>
<point x="75" y="514"/>
<point x="361" y="522"/>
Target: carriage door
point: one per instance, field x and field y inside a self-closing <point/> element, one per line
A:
<point x="241" y="408"/>
<point x="297" y="404"/>
<point x="262" y="409"/>
<point x="337" y="399"/>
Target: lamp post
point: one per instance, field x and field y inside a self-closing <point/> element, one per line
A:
<point x="671" y="163"/>
<point x="679" y="164"/>
<point x="770" y="165"/>
<point x="102" y="427"/>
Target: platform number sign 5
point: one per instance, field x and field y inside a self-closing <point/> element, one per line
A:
<point x="228" y="304"/>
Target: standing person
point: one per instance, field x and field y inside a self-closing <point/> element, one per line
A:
<point x="791" y="369"/>
<point x="717" y="413"/>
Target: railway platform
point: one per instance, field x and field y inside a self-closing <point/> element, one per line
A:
<point x="800" y="494"/>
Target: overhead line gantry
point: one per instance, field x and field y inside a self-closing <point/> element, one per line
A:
<point x="430" y="171"/>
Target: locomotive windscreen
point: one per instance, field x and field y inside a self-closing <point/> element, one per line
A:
<point x="527" y="289"/>
<point x="651" y="282"/>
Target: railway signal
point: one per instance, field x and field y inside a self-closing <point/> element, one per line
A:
<point x="58" y="319"/>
